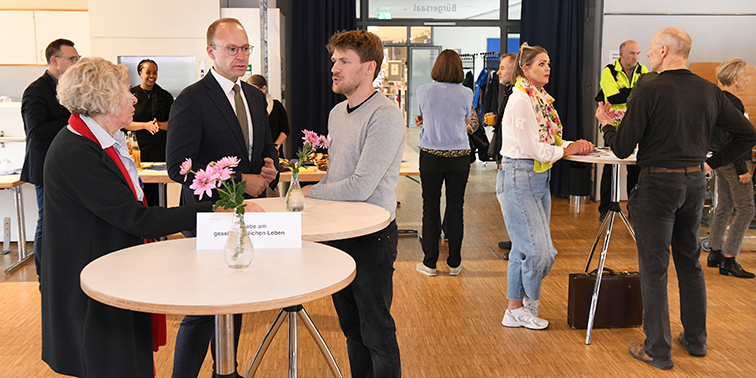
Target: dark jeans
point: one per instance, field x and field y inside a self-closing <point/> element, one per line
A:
<point x="434" y="171"/>
<point x="38" y="233"/>
<point x="667" y="210"/>
<point x="192" y="339"/>
<point x="364" y="307"/>
<point x="606" y="184"/>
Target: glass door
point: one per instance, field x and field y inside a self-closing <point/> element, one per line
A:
<point x="421" y="60"/>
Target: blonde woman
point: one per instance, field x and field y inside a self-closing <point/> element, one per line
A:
<point x="531" y="142"/>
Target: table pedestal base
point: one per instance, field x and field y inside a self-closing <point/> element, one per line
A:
<point x="292" y="313"/>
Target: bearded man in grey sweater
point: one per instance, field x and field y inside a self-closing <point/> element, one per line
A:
<point x="366" y="139"/>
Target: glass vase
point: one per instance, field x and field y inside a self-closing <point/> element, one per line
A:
<point x="295" y="199"/>
<point x="239" y="248"/>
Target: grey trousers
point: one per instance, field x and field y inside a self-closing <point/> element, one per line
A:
<point x="731" y="195"/>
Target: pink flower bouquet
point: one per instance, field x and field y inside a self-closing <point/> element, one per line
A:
<point x="312" y="141"/>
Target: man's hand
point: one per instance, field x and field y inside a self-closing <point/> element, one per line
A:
<point x="268" y="171"/>
<point x="419" y="121"/>
<point x="745" y="178"/>
<point x="604" y="113"/>
<point x="306" y="190"/>
<point x="256" y="184"/>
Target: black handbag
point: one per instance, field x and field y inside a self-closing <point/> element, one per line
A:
<point x="619" y="302"/>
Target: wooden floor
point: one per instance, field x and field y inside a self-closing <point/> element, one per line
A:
<point x="450" y="326"/>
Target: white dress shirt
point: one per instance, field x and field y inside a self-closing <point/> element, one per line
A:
<point x="228" y="88"/>
<point x="519" y="132"/>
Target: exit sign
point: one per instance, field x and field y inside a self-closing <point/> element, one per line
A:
<point x="384" y="16"/>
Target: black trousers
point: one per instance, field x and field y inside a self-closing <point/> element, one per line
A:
<point x="667" y="210"/>
<point x="434" y="172"/>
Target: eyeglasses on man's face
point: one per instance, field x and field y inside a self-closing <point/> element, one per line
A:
<point x="73" y="59"/>
<point x="233" y="50"/>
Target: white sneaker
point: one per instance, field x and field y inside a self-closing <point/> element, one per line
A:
<point x="425" y="270"/>
<point x="455" y="271"/>
<point x="531" y="305"/>
<point x="521" y="317"/>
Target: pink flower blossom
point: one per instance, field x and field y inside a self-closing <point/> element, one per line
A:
<point x="323" y="141"/>
<point x="186" y="167"/>
<point x="228" y="161"/>
<point x="225" y="174"/>
<point x="205" y="180"/>
<point x="310" y="137"/>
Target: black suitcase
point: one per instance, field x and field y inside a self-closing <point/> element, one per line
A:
<point x="619" y="302"/>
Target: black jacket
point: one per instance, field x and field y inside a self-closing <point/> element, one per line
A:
<point x="91" y="211"/>
<point x="203" y="126"/>
<point x="43" y="117"/>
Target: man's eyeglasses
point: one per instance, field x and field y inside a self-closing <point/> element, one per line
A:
<point x="232" y="50"/>
<point x="73" y="59"/>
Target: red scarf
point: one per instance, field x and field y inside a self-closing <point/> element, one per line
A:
<point x="159" y="335"/>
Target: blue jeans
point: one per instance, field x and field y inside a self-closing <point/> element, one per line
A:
<point x="525" y="200"/>
<point x="731" y="195"/>
<point x="666" y="210"/>
<point x="434" y="172"/>
<point x="364" y="307"/>
<point x="38" y="233"/>
<point x="194" y="335"/>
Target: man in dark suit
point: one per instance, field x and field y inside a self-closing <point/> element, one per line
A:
<point x="43" y="118"/>
<point x="219" y="116"/>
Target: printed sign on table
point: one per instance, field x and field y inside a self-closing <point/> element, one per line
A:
<point x="266" y="230"/>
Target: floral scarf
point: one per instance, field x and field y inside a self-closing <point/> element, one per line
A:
<point x="549" y="125"/>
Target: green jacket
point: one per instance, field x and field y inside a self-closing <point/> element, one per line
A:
<point x="616" y="85"/>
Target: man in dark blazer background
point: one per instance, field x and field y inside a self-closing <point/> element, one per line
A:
<point x="218" y="116"/>
<point x="43" y="117"/>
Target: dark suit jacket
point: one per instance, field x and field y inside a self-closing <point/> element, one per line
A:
<point x="203" y="126"/>
<point x="43" y="117"/>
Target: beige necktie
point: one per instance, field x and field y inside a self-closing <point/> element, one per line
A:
<point x="241" y="114"/>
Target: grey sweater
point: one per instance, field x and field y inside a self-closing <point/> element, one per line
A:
<point x="365" y="153"/>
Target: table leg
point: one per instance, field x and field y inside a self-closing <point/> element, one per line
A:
<point x="265" y="344"/>
<point x="225" y="360"/>
<point x="22" y="255"/>
<point x="320" y="342"/>
<point x="614" y="209"/>
<point x="292" y="344"/>
<point x="163" y="200"/>
<point x="292" y="313"/>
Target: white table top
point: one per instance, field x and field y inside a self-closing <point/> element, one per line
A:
<point x="10" y="181"/>
<point x="333" y="220"/>
<point x="601" y="157"/>
<point x="172" y="277"/>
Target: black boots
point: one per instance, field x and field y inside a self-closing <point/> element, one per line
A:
<point x="727" y="265"/>
<point x="715" y="258"/>
<point x="730" y="266"/>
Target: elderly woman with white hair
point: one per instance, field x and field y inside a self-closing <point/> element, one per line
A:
<point x="94" y="206"/>
<point x="734" y="187"/>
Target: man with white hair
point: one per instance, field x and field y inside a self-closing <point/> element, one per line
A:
<point x="670" y="119"/>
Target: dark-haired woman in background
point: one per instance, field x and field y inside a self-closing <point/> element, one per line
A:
<point x="445" y="106"/>
<point x="150" y="120"/>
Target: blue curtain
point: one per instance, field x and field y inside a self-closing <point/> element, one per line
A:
<point x="313" y="23"/>
<point x="557" y="26"/>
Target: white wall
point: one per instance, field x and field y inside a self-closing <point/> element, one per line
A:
<point x="467" y="39"/>
<point x="146" y="27"/>
<point x="717" y="28"/>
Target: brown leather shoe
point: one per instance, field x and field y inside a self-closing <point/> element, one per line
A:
<point x="692" y="350"/>
<point x="639" y="353"/>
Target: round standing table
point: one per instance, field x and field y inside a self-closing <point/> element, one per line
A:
<point x="604" y="157"/>
<point x="173" y="277"/>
